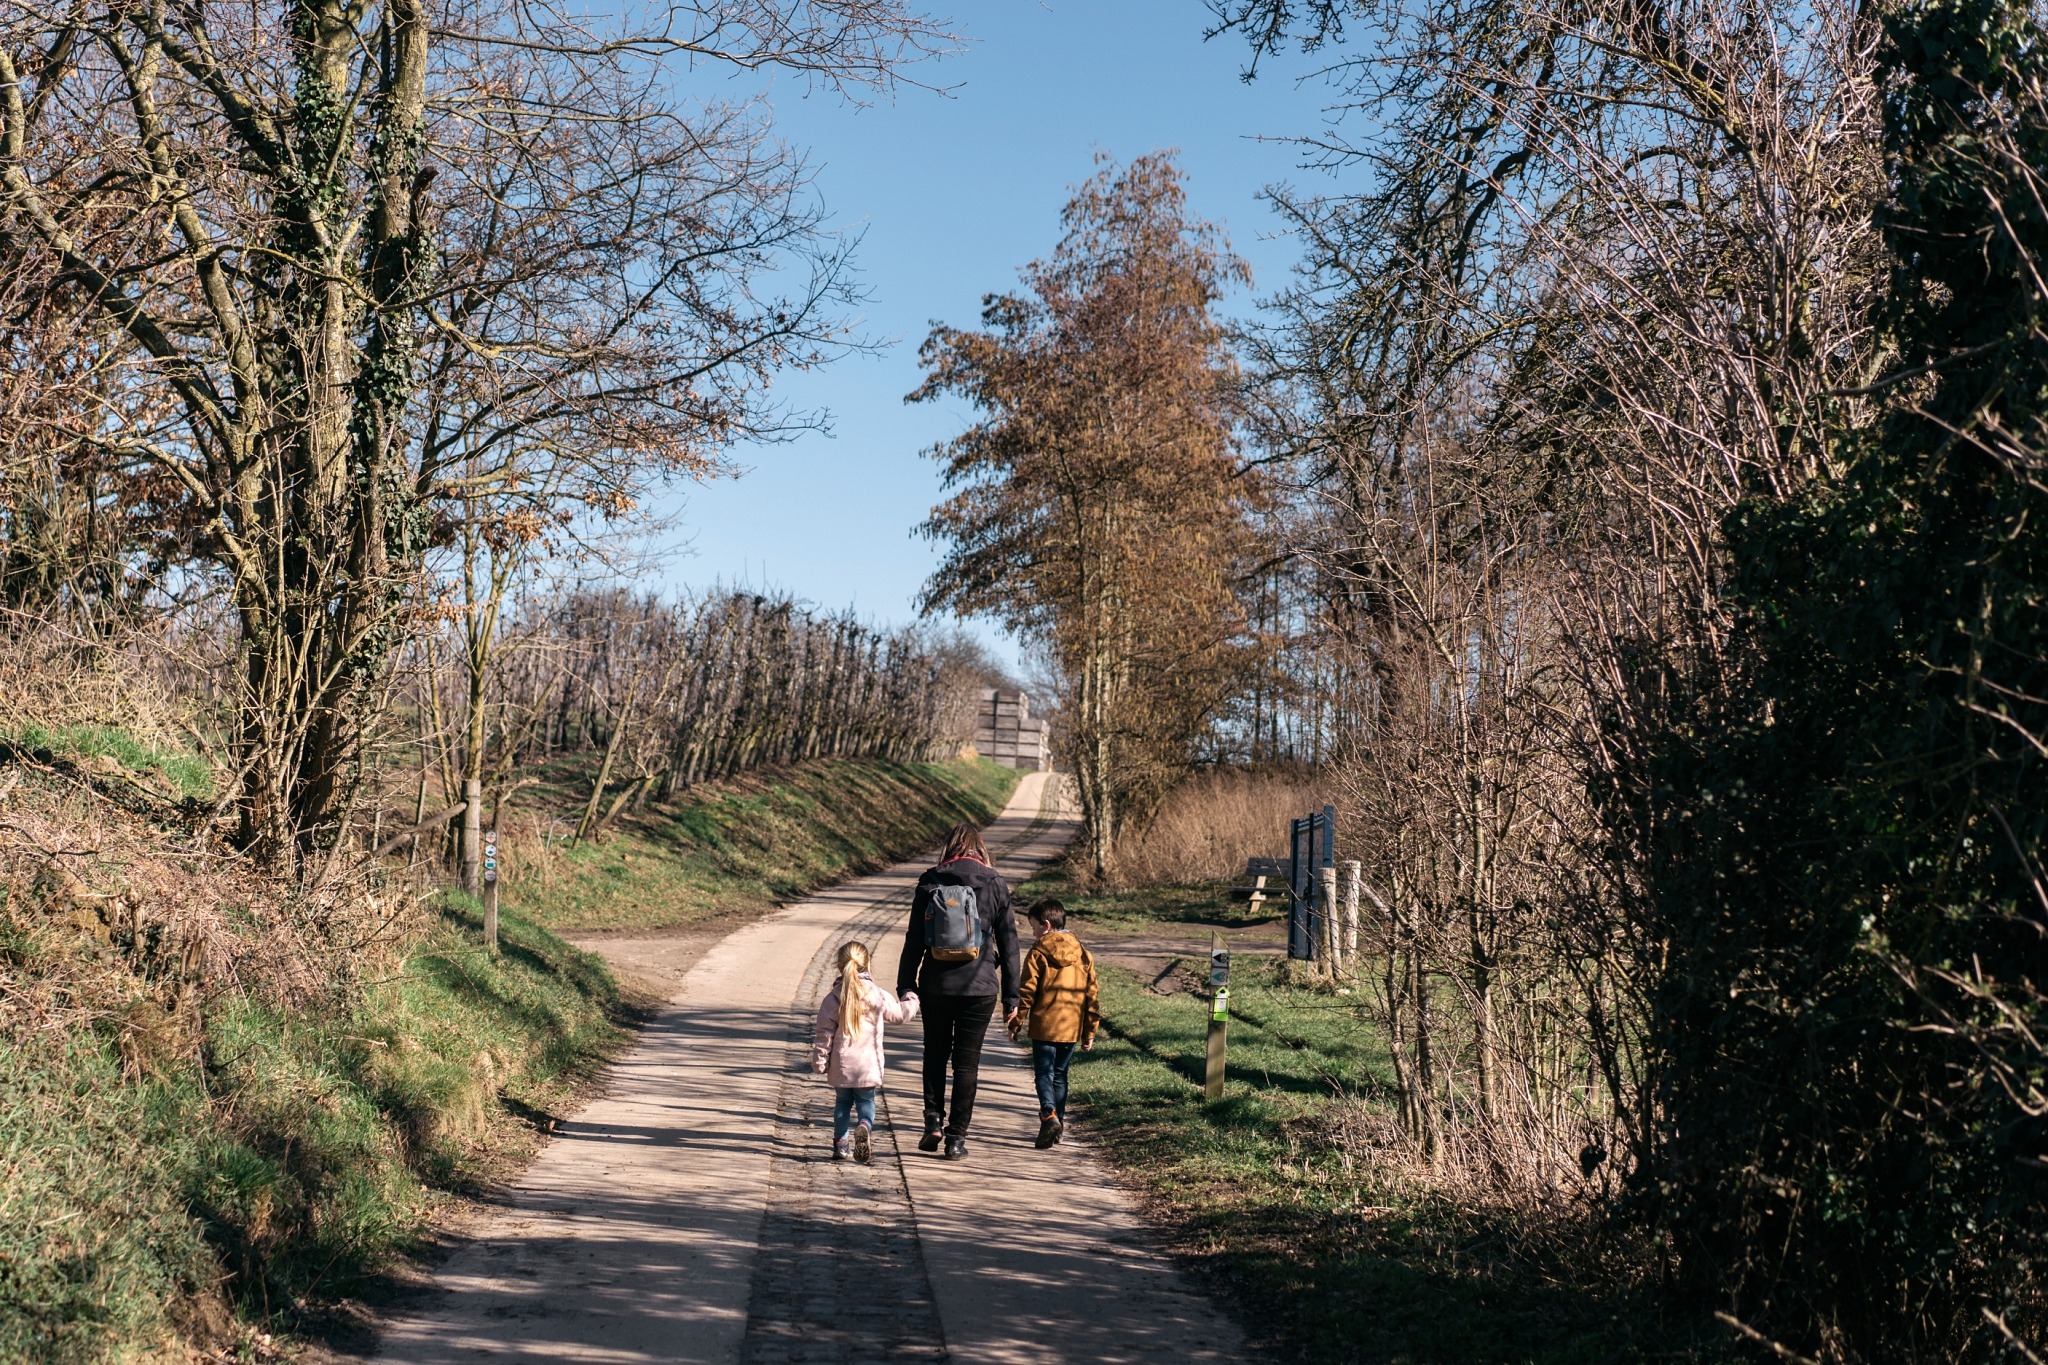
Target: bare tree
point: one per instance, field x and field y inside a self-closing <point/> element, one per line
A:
<point x="1612" y="274"/>
<point x="360" y="260"/>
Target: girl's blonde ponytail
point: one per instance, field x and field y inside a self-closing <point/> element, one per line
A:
<point x="853" y="990"/>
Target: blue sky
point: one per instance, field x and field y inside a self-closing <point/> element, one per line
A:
<point x="952" y="193"/>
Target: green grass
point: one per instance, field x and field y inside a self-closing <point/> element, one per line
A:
<point x="743" y="845"/>
<point x="311" y="1146"/>
<point x="187" y="774"/>
<point x="1329" y="1244"/>
<point x="1208" y="904"/>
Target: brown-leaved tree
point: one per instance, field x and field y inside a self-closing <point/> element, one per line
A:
<point x="1101" y="510"/>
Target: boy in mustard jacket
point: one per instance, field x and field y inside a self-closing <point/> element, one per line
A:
<point x="1057" y="1004"/>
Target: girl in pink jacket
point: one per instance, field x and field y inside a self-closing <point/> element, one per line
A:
<point x="848" y="1050"/>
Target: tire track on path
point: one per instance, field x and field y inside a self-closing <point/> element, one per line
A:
<point x="840" y="1275"/>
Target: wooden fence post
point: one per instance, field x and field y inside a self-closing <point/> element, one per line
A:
<point x="1354" y="877"/>
<point x="472" y="830"/>
<point x="1326" y="897"/>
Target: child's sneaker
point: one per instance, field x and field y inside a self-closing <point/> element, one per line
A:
<point x="863" y="1146"/>
<point x="1049" y="1131"/>
<point x="842" y="1148"/>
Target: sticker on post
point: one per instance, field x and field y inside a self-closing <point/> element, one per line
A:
<point x="1222" y="1010"/>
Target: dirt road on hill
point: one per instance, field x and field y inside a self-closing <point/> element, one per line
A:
<point x="693" y="1213"/>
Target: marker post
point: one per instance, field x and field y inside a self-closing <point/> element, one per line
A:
<point x="1219" y="1015"/>
<point x="491" y="891"/>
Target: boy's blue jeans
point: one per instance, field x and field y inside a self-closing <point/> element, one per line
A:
<point x="1049" y="1063"/>
<point x="851" y="1106"/>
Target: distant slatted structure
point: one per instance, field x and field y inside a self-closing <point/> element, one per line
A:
<point x="1006" y="732"/>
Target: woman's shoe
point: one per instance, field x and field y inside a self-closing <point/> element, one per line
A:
<point x="931" y="1140"/>
<point x="863" y="1145"/>
<point x="956" y="1147"/>
<point x="1048" y="1131"/>
<point x="841" y="1148"/>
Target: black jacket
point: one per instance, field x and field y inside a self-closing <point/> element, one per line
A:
<point x="999" y="934"/>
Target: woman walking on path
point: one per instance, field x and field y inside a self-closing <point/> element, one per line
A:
<point x="962" y="938"/>
<point x="848" y="1048"/>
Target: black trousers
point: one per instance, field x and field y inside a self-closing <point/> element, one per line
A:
<point x="954" y="1029"/>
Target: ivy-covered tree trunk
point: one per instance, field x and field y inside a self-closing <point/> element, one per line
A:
<point x="353" y="259"/>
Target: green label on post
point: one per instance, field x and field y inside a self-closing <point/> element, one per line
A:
<point x="1222" y="1010"/>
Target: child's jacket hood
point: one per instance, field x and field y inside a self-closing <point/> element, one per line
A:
<point x="1063" y="948"/>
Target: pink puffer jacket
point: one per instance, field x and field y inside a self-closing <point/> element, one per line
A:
<point x="856" y="1063"/>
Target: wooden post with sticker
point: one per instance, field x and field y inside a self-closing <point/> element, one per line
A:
<point x="1219" y="1014"/>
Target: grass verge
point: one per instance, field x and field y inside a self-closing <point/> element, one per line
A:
<point x="203" y="1140"/>
<point x="1296" y="1197"/>
<point x="747" y="843"/>
<point x="264" y="1180"/>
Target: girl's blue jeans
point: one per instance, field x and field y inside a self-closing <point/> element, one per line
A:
<point x="853" y="1105"/>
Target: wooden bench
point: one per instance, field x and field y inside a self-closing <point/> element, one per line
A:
<point x="1269" y="882"/>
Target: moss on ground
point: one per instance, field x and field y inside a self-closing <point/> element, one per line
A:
<point x="1295" y="1197"/>
<point x="739" y="846"/>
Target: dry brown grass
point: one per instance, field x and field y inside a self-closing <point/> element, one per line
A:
<point x="124" y="909"/>
<point x="119" y="921"/>
<point x="1210" y="824"/>
<point x="55" y="678"/>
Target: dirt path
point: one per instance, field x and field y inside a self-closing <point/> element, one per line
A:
<point x="693" y="1213"/>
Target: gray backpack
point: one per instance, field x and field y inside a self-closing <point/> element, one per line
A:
<point x="952" y="924"/>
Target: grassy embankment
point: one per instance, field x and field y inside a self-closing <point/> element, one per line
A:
<point x="1295" y="1193"/>
<point x="204" y="1138"/>
<point x="736" y="847"/>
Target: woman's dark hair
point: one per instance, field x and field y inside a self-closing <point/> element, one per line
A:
<point x="964" y="841"/>
<point x="1049" y="912"/>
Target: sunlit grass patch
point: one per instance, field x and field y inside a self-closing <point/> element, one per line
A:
<point x="1207" y="903"/>
<point x="186" y="773"/>
<point x="1320" y="1224"/>
<point x="291" y="1156"/>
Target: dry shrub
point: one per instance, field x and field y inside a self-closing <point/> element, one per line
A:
<point x="113" y="919"/>
<point x="1209" y="825"/>
<point x="132" y="680"/>
<point x="1505" y="1167"/>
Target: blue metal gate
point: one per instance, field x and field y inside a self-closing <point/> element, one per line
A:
<point x="1311" y="844"/>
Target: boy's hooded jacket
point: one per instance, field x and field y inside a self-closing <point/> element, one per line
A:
<point x="1058" y="993"/>
<point x="856" y="1063"/>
